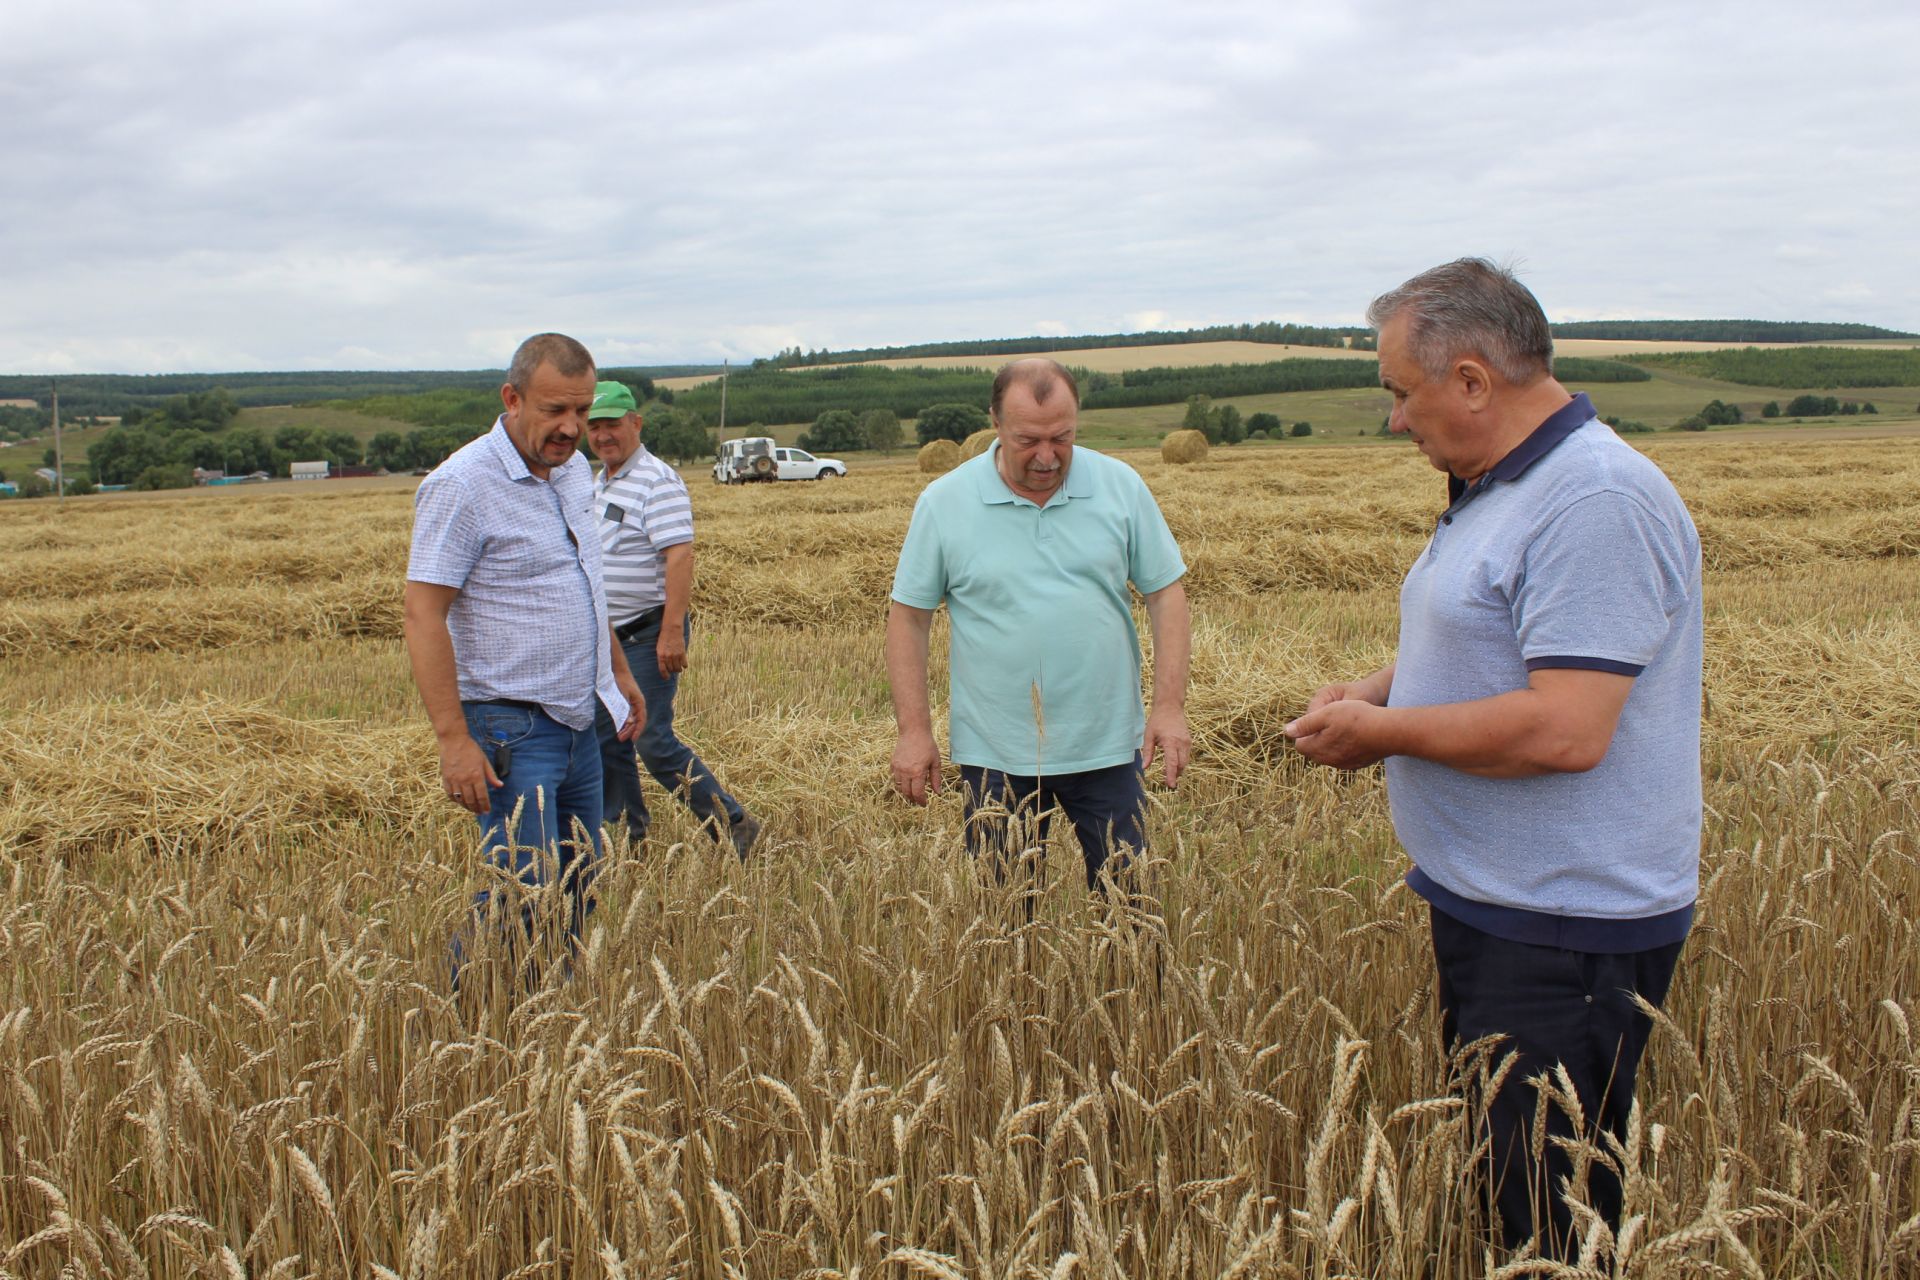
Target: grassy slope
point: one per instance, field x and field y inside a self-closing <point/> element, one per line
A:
<point x="1669" y="397"/>
<point x="268" y="418"/>
<point x="1345" y="413"/>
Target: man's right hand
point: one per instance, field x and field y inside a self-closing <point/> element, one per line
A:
<point x="1345" y="691"/>
<point x="916" y="766"/>
<point x="466" y="773"/>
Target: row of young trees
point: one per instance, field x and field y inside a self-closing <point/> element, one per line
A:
<point x="1718" y="413"/>
<point x="125" y="454"/>
<point x="1811" y="368"/>
<point x="839" y="431"/>
<point x="1223" y="424"/>
<point x="1270" y="331"/>
<point x="1724" y="331"/>
<point x="1810" y="406"/>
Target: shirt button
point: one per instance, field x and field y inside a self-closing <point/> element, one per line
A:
<point x="1589" y="999"/>
<point x="1446" y="519"/>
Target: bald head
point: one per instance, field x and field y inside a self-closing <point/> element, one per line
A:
<point x="1043" y="379"/>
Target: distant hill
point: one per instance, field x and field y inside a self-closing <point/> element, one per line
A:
<point x="1299" y="335"/>
<point x="1354" y="336"/>
<point x="1724" y="331"/>
<point x="112" y="394"/>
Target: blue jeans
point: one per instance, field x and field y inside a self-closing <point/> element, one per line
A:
<point x="670" y="761"/>
<point x="554" y="778"/>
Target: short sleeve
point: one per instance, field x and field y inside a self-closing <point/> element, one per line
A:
<point x="920" y="579"/>
<point x="1600" y="587"/>
<point x="1153" y="557"/>
<point x="446" y="536"/>
<point x="669" y="513"/>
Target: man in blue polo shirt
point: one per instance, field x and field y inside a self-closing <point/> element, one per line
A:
<point x="1031" y="546"/>
<point x="1540" y="724"/>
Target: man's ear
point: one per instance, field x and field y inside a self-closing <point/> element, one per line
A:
<point x="1474" y="381"/>
<point x="509" y="397"/>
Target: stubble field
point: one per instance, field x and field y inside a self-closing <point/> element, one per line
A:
<point x="227" y="1047"/>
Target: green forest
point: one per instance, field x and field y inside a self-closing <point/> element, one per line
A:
<point x="106" y="395"/>
<point x="1724" y="331"/>
<point x="1820" y="368"/>
<point x="769" y="395"/>
<point x="1304" y="335"/>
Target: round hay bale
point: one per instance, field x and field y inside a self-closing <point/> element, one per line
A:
<point x="1184" y="446"/>
<point x="937" y="456"/>
<point x="976" y="444"/>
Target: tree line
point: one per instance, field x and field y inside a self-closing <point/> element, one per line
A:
<point x="768" y="395"/>
<point x="114" y="394"/>
<point x="1724" y="331"/>
<point x="1273" y="331"/>
<point x="1797" y="367"/>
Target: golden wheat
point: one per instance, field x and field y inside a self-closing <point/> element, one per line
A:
<point x="227" y="1045"/>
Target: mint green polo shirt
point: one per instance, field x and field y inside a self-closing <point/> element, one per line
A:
<point x="1045" y="660"/>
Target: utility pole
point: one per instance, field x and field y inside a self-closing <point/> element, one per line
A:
<point x="723" y="399"/>
<point x="59" y="458"/>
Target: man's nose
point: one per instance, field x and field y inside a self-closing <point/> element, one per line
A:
<point x="1397" y="421"/>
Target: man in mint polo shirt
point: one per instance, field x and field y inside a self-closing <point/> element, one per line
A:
<point x="1032" y="546"/>
<point x="1540" y="723"/>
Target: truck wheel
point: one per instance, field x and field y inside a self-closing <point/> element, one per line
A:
<point x="827" y="473"/>
<point x="763" y="466"/>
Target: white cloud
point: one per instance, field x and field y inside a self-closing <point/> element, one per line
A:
<point x="422" y="185"/>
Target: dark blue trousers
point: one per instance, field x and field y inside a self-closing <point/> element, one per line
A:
<point x="1106" y="806"/>
<point x="671" y="761"/>
<point x="1552" y="1006"/>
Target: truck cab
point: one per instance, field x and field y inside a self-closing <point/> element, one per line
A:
<point x="798" y="464"/>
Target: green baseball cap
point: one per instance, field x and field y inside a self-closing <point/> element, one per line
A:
<point x="611" y="400"/>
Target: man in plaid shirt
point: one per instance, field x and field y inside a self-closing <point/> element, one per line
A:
<point x="506" y="625"/>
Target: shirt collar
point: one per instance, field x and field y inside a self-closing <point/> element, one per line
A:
<point x="505" y="450"/>
<point x="1560" y="424"/>
<point x="994" y="491"/>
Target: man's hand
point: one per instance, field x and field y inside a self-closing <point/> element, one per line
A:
<point x="1167" y="735"/>
<point x="1373" y="689"/>
<point x="670" y="650"/>
<point x="466" y="773"/>
<point x="636" y="704"/>
<point x="1339" y="732"/>
<point x="916" y="766"/>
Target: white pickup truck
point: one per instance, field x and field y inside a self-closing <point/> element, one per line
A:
<point x="798" y="464"/>
<point x="759" y="458"/>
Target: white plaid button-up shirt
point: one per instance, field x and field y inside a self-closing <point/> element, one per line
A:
<point x="530" y="620"/>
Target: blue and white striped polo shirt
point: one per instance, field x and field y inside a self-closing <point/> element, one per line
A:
<point x="644" y="509"/>
<point x="530" y="620"/>
<point x="1574" y="551"/>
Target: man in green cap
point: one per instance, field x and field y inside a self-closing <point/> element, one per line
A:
<point x="646" y="548"/>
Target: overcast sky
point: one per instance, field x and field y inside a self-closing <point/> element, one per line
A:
<point x="213" y="185"/>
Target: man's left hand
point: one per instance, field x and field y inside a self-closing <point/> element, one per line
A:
<point x="1341" y="734"/>
<point x="636" y="705"/>
<point x="670" y="651"/>
<point x="1167" y="734"/>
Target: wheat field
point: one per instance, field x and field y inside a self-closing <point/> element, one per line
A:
<point x="227" y="1047"/>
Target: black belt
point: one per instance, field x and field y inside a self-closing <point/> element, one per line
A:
<point x="647" y="618"/>
<point x="512" y="702"/>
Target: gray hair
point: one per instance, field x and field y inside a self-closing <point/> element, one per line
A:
<point x="1039" y="375"/>
<point x="568" y="358"/>
<point x="1471" y="307"/>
